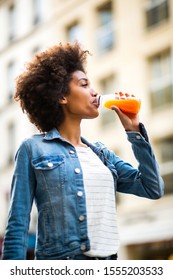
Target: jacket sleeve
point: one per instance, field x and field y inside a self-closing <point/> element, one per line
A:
<point x="144" y="181"/>
<point x="22" y="193"/>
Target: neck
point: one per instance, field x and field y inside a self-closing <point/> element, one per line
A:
<point x="71" y="132"/>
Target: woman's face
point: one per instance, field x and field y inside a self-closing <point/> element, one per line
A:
<point x="82" y="100"/>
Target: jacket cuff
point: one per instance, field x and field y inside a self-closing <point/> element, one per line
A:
<point x="143" y="131"/>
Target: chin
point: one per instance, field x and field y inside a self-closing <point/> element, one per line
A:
<point x="93" y="116"/>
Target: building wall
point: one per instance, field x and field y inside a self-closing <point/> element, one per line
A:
<point x="127" y="61"/>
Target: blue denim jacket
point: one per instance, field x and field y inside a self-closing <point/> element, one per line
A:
<point x="48" y="171"/>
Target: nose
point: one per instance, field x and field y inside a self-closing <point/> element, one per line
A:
<point x="93" y="92"/>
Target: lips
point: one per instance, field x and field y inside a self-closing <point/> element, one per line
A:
<point x="96" y="101"/>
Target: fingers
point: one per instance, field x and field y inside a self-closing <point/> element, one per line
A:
<point x="121" y="113"/>
<point x="120" y="95"/>
<point x="117" y="110"/>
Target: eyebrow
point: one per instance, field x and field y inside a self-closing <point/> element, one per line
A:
<point x="85" y="79"/>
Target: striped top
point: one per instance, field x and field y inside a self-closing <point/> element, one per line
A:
<point x="100" y="204"/>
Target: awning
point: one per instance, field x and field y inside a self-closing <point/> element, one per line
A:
<point x="151" y="224"/>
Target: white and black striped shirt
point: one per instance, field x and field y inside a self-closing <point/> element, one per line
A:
<point x="100" y="204"/>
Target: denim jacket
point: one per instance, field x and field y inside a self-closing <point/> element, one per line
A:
<point x="48" y="171"/>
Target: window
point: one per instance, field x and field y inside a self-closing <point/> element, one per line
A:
<point x="161" y="83"/>
<point x="11" y="71"/>
<point x="37" y="13"/>
<point x="156" y="12"/>
<point x="107" y="85"/>
<point x="12" y="22"/>
<point x="105" y="31"/>
<point x="74" y="32"/>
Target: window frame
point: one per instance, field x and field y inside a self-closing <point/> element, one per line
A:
<point x="105" y="33"/>
<point x="156" y="13"/>
<point x="161" y="81"/>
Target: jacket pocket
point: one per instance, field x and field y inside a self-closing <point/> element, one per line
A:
<point x="49" y="234"/>
<point x="47" y="162"/>
<point x="50" y="171"/>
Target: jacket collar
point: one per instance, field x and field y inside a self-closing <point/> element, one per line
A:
<point x="54" y="134"/>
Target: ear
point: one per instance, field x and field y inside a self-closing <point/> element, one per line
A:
<point x="62" y="100"/>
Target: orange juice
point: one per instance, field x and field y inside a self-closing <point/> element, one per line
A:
<point x="126" y="103"/>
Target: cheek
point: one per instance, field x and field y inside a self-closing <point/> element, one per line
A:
<point x="76" y="105"/>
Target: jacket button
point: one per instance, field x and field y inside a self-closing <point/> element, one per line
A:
<point x="77" y="170"/>
<point x="50" y="164"/>
<point x="83" y="247"/>
<point x="71" y="152"/>
<point x="138" y="137"/>
<point x="79" y="193"/>
<point x="81" y="218"/>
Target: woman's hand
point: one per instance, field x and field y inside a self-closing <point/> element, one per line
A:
<point x="129" y="121"/>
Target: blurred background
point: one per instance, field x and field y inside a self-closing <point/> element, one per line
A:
<point x="131" y="42"/>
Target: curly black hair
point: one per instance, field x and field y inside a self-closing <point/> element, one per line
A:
<point x="46" y="80"/>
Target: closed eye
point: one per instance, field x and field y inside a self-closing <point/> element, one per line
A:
<point x="84" y="82"/>
<point x="84" y="85"/>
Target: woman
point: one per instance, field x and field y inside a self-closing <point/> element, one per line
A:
<point x="72" y="181"/>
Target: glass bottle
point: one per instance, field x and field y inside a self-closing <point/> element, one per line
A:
<point x="125" y="102"/>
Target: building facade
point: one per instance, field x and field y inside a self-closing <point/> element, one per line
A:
<point x="132" y="51"/>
